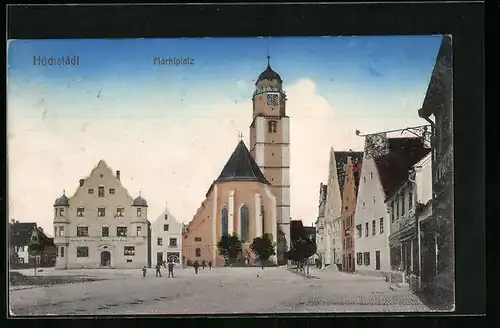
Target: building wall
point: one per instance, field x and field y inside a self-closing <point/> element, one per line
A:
<point x="370" y="206"/>
<point x="333" y="210"/>
<point x="101" y="175"/>
<point x="174" y="232"/>
<point x="231" y="195"/>
<point x="347" y="219"/>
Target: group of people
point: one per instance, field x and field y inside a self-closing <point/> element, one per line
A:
<point x="171" y="267"/>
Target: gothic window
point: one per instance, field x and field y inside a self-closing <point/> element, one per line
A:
<point x="272" y="126"/>
<point x="244" y="221"/>
<point x="225" y="223"/>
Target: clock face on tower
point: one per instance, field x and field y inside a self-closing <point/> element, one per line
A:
<point x="272" y="99"/>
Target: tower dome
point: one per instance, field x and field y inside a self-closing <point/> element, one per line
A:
<point x="268" y="74"/>
<point x="62" y="201"/>
<point x="139" y="201"/>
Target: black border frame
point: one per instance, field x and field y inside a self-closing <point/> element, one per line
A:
<point x="464" y="21"/>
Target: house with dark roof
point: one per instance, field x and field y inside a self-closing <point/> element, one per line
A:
<point x="20" y="234"/>
<point x="239" y="201"/>
<point x="382" y="174"/>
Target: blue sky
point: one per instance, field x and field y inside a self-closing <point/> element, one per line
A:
<point x="370" y="83"/>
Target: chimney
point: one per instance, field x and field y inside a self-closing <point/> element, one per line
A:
<point x="81" y="182"/>
<point x="118" y="174"/>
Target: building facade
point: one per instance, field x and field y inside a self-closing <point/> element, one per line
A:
<point x="101" y="225"/>
<point x="320" y="223"/>
<point x="406" y="204"/>
<point x="20" y="234"/>
<point x="371" y="220"/>
<point x="438" y="274"/>
<point x="240" y="201"/>
<point x="349" y="197"/>
<point x="166" y="235"/>
<point x="270" y="146"/>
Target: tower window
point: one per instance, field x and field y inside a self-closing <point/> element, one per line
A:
<point x="272" y="126"/>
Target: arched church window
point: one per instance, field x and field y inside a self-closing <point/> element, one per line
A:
<point x="245" y="224"/>
<point x="262" y="212"/>
<point x="225" y="222"/>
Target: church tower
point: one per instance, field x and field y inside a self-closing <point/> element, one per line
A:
<point x="270" y="146"/>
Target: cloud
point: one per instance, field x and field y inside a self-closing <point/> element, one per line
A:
<point x="171" y="159"/>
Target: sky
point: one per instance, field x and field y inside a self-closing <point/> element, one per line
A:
<point x="170" y="129"/>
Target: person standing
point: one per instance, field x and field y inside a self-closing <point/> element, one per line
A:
<point x="203" y="264"/>
<point x="210" y="265"/>
<point x="144" y="270"/>
<point x="158" y="270"/>
<point x="196" y="265"/>
<point x="171" y="269"/>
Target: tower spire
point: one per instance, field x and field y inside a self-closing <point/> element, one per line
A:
<point x="268" y="61"/>
<point x="240" y="136"/>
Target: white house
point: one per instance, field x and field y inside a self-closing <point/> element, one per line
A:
<point x="166" y="234"/>
<point x="101" y="225"/>
<point x="371" y="222"/>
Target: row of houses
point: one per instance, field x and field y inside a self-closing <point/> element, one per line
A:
<point x="389" y="210"/>
<point x="102" y="226"/>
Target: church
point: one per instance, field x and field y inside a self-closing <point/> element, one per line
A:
<point x="251" y="196"/>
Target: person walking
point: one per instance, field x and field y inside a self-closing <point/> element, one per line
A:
<point x="158" y="270"/>
<point x="196" y="265"/>
<point x="171" y="269"/>
<point x="210" y="265"/>
<point x="203" y="264"/>
<point x="144" y="270"/>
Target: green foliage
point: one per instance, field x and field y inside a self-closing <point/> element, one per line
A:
<point x="263" y="247"/>
<point x="35" y="246"/>
<point x="302" y="249"/>
<point x="229" y="246"/>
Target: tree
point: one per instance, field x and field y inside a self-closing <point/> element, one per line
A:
<point x="229" y="246"/>
<point x="35" y="246"/>
<point x="302" y="249"/>
<point x="263" y="247"/>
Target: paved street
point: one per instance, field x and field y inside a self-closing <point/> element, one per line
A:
<point x="222" y="290"/>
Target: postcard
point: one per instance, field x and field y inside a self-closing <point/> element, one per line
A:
<point x="230" y="175"/>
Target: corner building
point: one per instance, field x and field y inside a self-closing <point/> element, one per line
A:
<point x="101" y="225"/>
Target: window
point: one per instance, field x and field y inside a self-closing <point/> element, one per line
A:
<point x="121" y="231"/>
<point x="21" y="260"/>
<point x="366" y="258"/>
<point x="90" y="191"/>
<point x="139" y="212"/>
<point x="61" y="231"/>
<point x="197" y="238"/>
<point x="61" y="212"/>
<point x="359" y="258"/>
<point x="410" y="199"/>
<point x="381" y="224"/>
<point x="358" y="230"/>
<point x="80" y="212"/>
<point x="101" y="211"/>
<point x="120" y="212"/>
<point x="172" y="242"/>
<point x="198" y="252"/>
<point x="159" y="241"/>
<point x="166" y="216"/>
<point x="82" y="251"/>
<point x="129" y="260"/>
<point x="111" y="191"/>
<point x="165" y="227"/>
<point x="366" y="229"/>
<point x="374" y="227"/>
<point x="397" y="208"/>
<point x="403" y="204"/>
<point x="272" y="126"/>
<point x="105" y="231"/>
<point x="392" y="211"/>
<point x="371" y="175"/>
<point x="55" y="231"/>
<point x="82" y="231"/>
<point x="225" y="222"/>
<point x="129" y="250"/>
<point x="62" y="251"/>
<point x="245" y="224"/>
<point x="100" y="192"/>
<point x="139" y="231"/>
